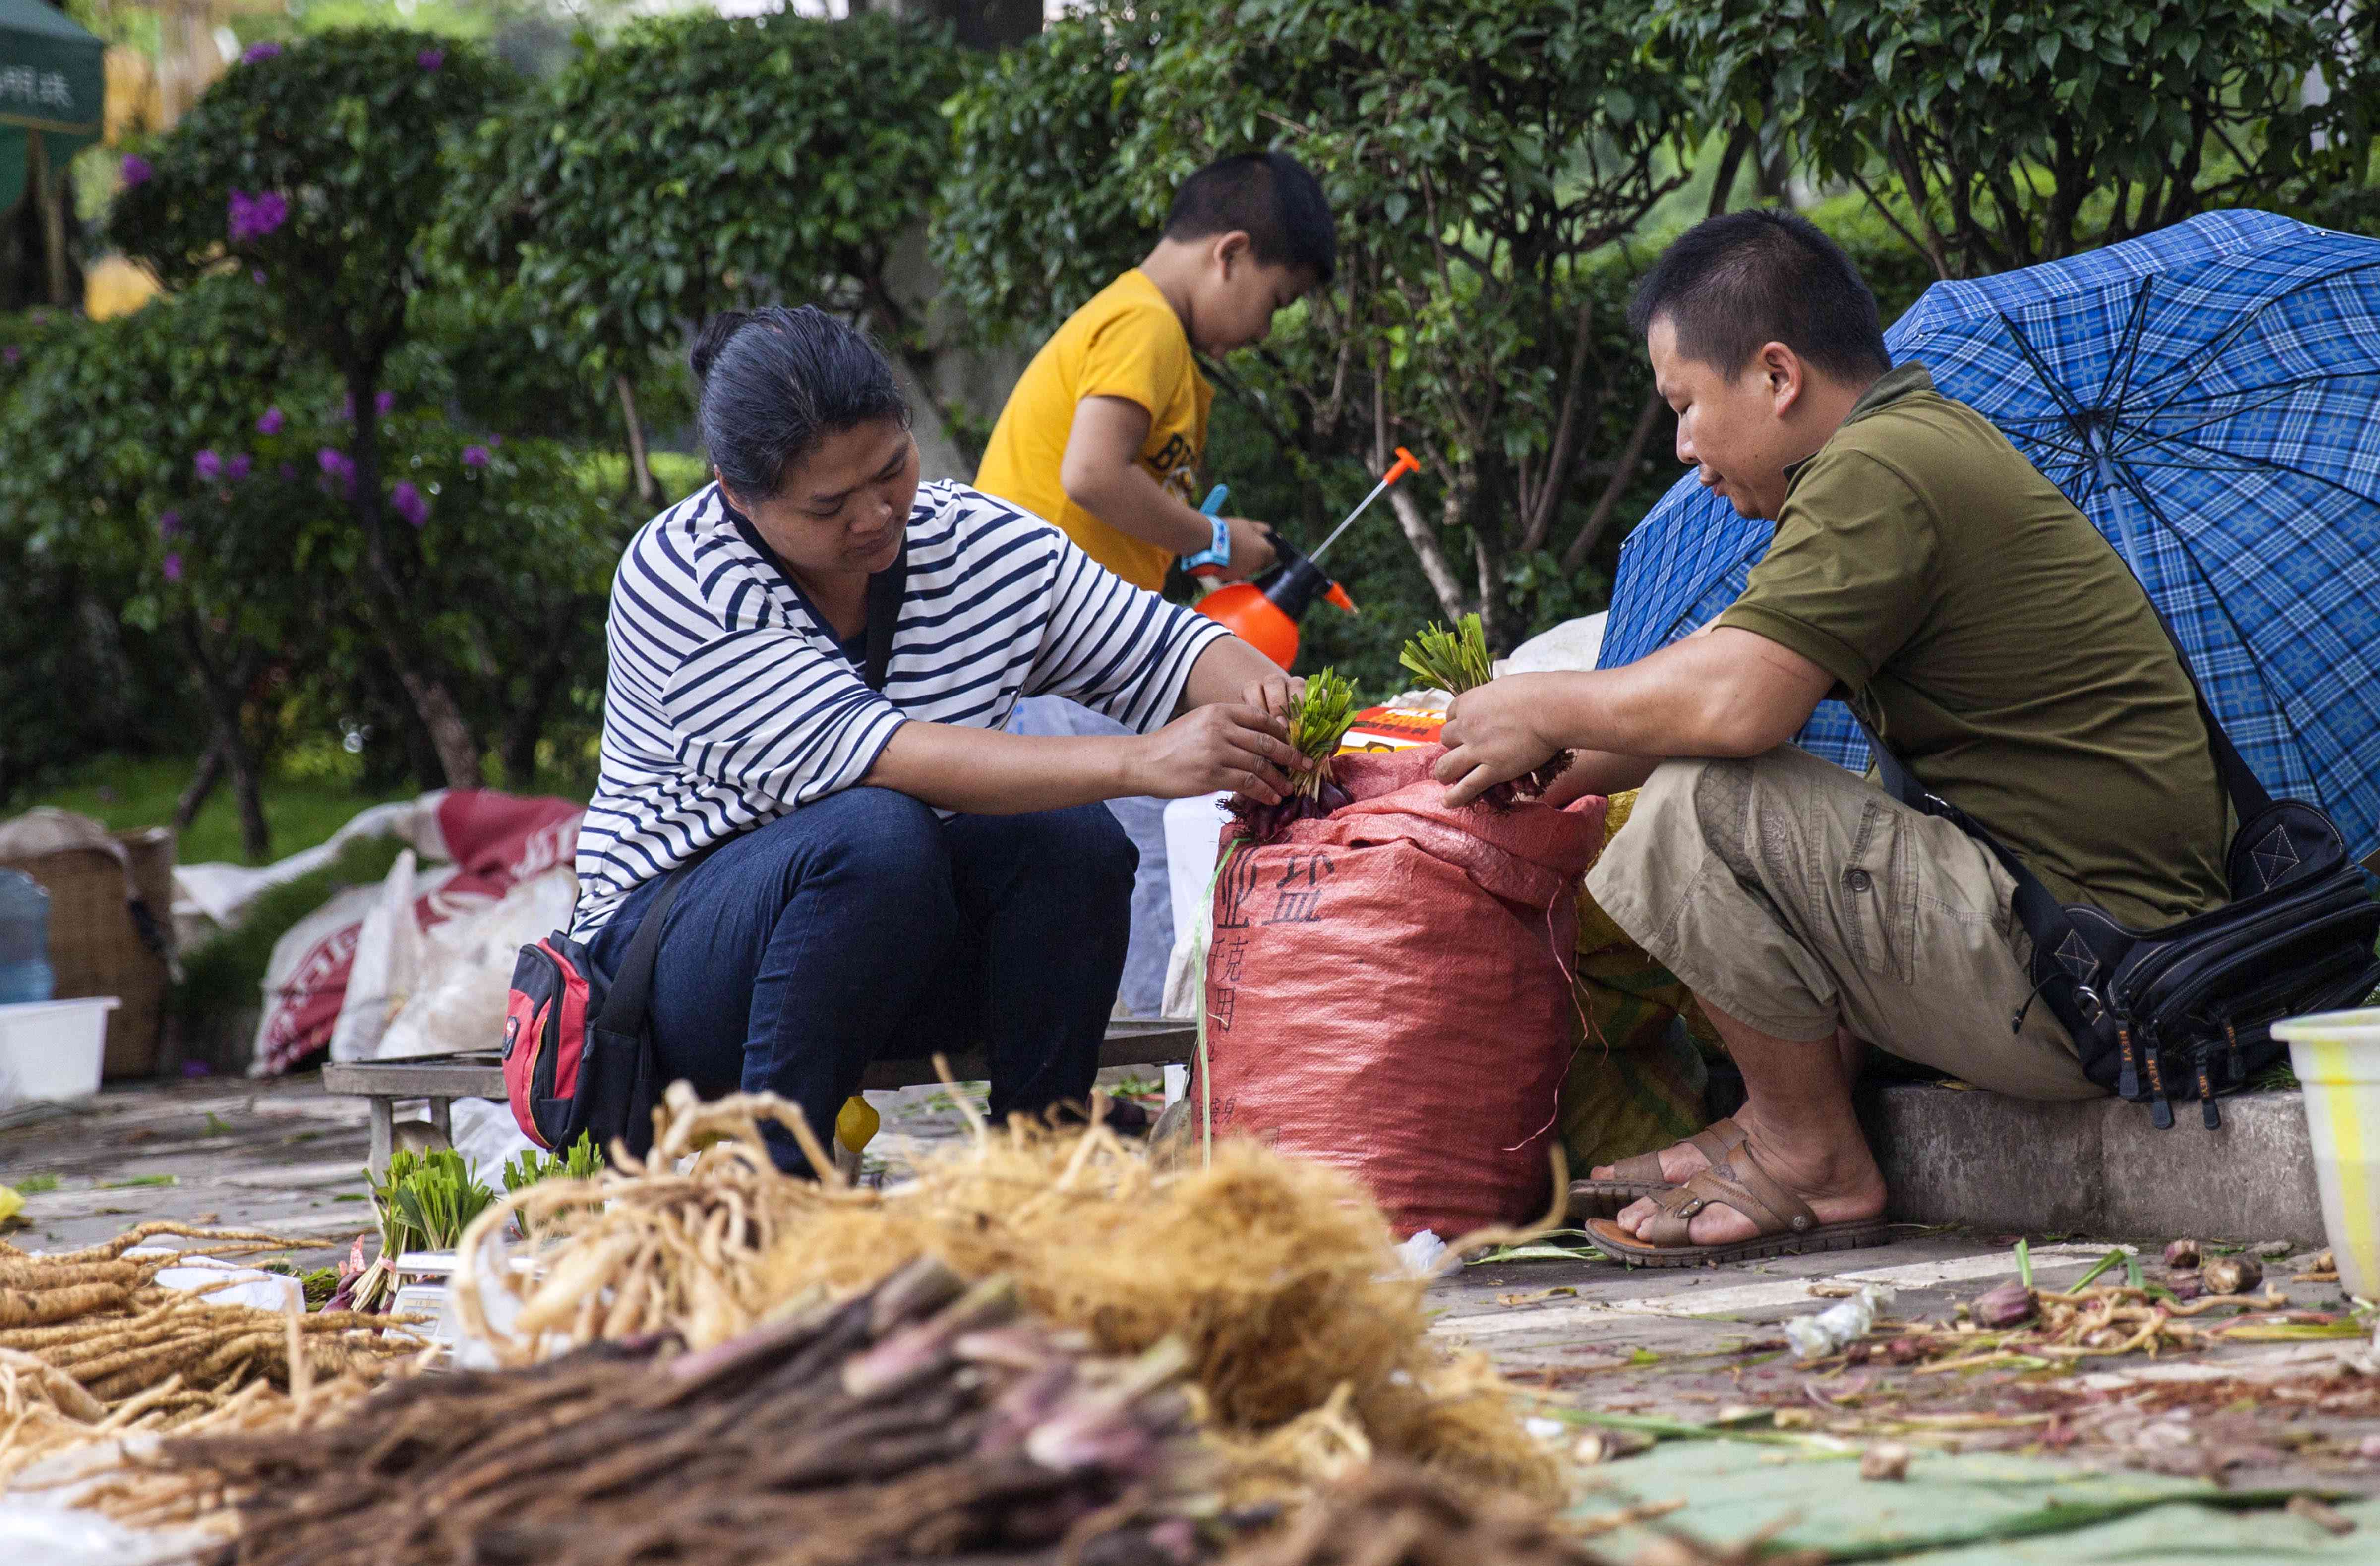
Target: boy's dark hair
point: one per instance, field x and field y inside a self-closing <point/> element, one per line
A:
<point x="1271" y="196"/>
<point x="775" y="382"/>
<point x="1733" y="282"/>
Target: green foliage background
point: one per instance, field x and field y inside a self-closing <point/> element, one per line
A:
<point x="517" y="263"/>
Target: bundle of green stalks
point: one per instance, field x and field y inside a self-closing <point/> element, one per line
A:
<point x="1317" y="724"/>
<point x="1455" y="661"/>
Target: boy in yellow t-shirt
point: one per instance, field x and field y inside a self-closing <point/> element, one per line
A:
<point x="1104" y="432"/>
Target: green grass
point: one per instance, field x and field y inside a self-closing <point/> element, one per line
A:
<point x="35" y="1184"/>
<point x="123" y="793"/>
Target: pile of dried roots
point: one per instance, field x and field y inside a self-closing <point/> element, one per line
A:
<point x="921" y="1419"/>
<point x="1306" y="1339"/>
<point x="91" y="1346"/>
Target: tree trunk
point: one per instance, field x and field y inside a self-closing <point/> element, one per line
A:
<point x="203" y="782"/>
<point x="47" y="196"/>
<point x="225" y="689"/>
<point x="248" y="789"/>
<point x="639" y="473"/>
<point x="979" y="24"/>
<point x="525" y="725"/>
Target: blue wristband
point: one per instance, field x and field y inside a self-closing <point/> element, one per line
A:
<point x="1216" y="553"/>
<point x="1219" y="552"/>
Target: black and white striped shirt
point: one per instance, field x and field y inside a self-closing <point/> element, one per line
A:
<point x="729" y="702"/>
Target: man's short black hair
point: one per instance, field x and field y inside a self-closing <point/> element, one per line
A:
<point x="1270" y="196"/>
<point x="1734" y="282"/>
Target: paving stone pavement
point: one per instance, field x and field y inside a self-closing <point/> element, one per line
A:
<point x="1687" y="1344"/>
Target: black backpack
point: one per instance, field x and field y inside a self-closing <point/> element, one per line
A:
<point x="2153" y="1013"/>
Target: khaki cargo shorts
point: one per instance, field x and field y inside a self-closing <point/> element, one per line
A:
<point x="1795" y="896"/>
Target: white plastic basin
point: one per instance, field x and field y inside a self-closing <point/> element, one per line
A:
<point x="53" y="1049"/>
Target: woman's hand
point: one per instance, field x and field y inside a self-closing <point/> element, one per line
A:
<point x="1274" y="693"/>
<point x="1241" y="746"/>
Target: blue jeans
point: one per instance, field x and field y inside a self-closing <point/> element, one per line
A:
<point x="866" y="927"/>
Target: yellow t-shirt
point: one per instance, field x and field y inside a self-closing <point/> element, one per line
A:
<point x="1125" y="342"/>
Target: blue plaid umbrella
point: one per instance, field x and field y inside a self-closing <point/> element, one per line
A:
<point x="2210" y="398"/>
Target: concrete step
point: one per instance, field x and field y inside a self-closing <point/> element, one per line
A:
<point x="2097" y="1166"/>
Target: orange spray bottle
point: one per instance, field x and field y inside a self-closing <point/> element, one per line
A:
<point x="1265" y="612"/>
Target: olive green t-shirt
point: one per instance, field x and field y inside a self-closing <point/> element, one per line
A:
<point x="1980" y="623"/>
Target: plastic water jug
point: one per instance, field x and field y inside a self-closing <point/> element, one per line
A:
<point x="24" y="939"/>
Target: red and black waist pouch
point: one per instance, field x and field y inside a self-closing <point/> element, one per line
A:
<point x="578" y="1052"/>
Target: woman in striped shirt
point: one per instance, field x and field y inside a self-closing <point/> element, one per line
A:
<point x="811" y="662"/>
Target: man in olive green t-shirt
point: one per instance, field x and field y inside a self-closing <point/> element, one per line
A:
<point x="1923" y="571"/>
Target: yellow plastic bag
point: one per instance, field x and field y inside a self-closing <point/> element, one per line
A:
<point x="1634" y="1085"/>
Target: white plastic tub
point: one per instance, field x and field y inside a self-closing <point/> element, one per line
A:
<point x="53" y="1049"/>
<point x="2336" y="1057"/>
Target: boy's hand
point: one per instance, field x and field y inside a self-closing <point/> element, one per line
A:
<point x="1491" y="736"/>
<point x="1251" y="550"/>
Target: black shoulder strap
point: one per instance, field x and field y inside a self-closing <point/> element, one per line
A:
<point x="632" y="987"/>
<point x="885" y="591"/>
<point x="2035" y="906"/>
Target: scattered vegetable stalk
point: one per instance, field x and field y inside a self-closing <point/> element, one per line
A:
<point x="1317" y="724"/>
<point x="1455" y="661"/>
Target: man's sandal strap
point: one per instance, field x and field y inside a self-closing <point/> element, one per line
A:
<point x="1714" y="1142"/>
<point x="1772" y="1209"/>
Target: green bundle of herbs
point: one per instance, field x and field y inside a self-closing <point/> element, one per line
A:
<point x="1318" y="722"/>
<point x="580" y="1161"/>
<point x="1457" y="661"/>
<point x="424" y="1202"/>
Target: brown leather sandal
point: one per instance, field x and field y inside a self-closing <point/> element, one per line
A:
<point x="1633" y="1179"/>
<point x="1786" y="1226"/>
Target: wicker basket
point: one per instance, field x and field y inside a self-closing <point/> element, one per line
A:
<point x="95" y="950"/>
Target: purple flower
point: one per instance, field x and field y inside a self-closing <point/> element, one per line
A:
<point x="495" y="439"/>
<point x="289" y="472"/>
<point x="256" y="52"/>
<point x="136" y="169"/>
<point x="255" y="214"/>
<point x="209" y="464"/>
<point x="270" y="423"/>
<point x="256" y="275"/>
<point x="407" y="503"/>
<point x="337" y="464"/>
<point x="475" y="456"/>
<point x="168" y="524"/>
<point x="173" y="568"/>
<point x="11" y="353"/>
<point x="430" y="59"/>
<point x="384" y="404"/>
<point x="236" y="467"/>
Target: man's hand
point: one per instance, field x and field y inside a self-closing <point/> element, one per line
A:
<point x="1239" y="747"/>
<point x="1492" y="735"/>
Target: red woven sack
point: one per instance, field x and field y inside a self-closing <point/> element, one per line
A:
<point x="1388" y="991"/>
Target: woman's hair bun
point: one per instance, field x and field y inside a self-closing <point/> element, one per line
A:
<point x="775" y="382"/>
<point x="713" y="337"/>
